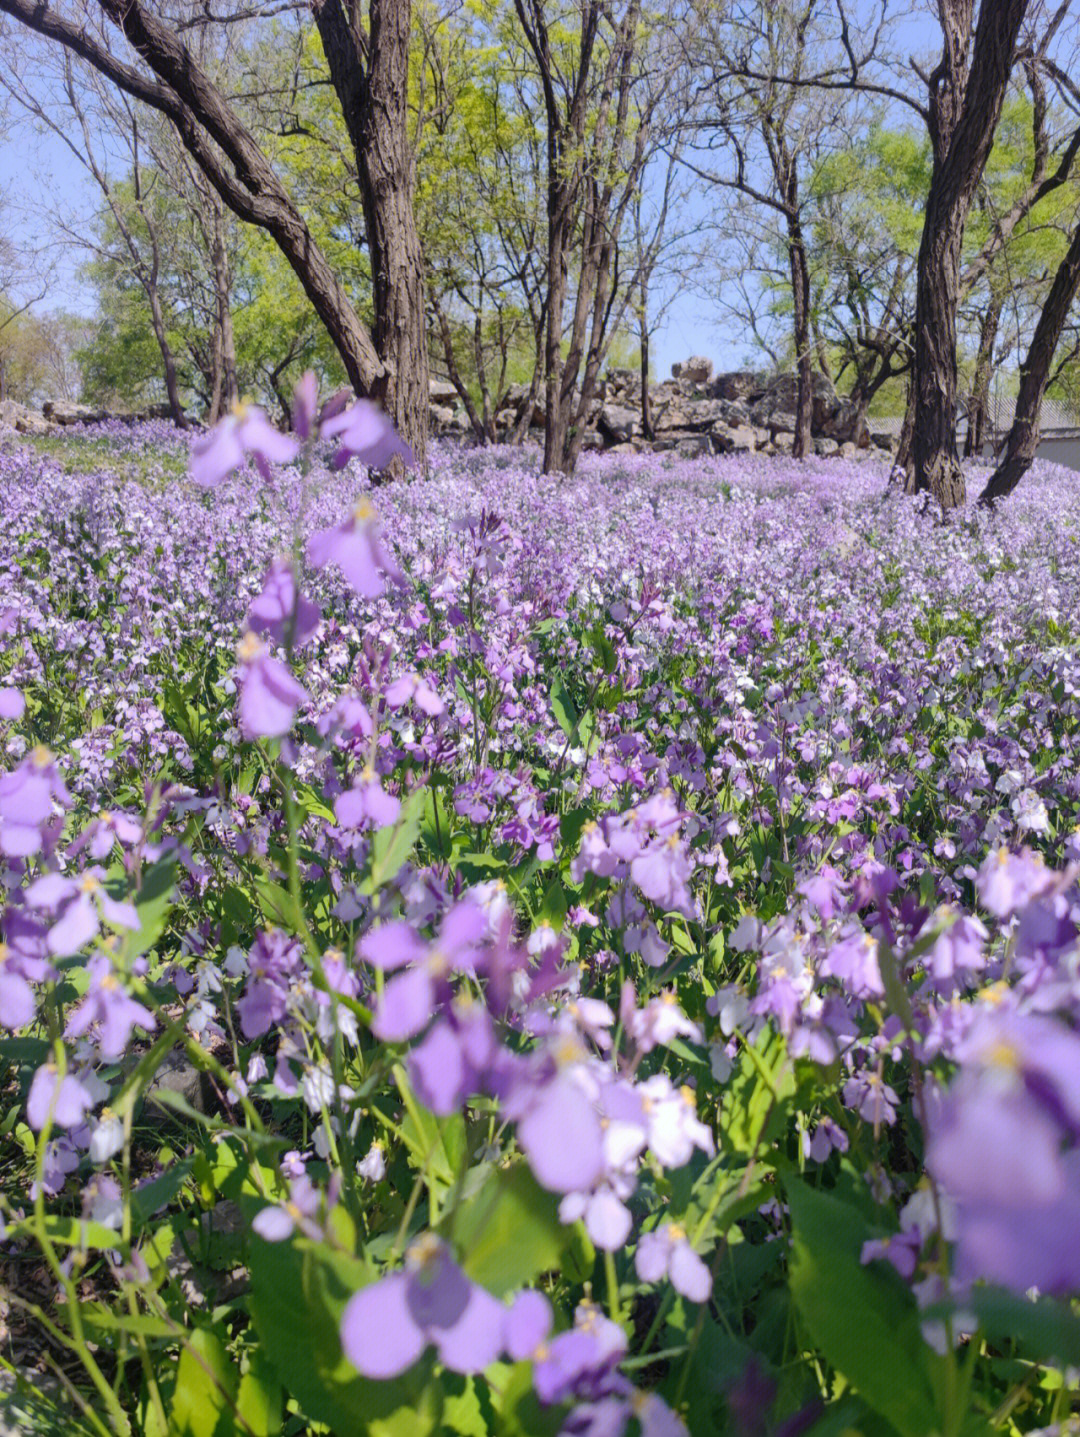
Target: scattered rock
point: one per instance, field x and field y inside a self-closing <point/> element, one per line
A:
<point x="619" y="424"/>
<point x="741" y="384"/>
<point x="695" y="370"/>
<point x="24" y="421"/>
<point x="694" y="446"/>
<point x="441" y="391"/>
<point x="63" y="411"/>
<point x="733" y="439"/>
<point x="177" y="1074"/>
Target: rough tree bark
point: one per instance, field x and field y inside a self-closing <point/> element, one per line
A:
<point x="369" y="70"/>
<point x="1034" y="375"/>
<point x="965" y="105"/>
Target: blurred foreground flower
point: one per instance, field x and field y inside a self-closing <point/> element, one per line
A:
<point x="245" y="431"/>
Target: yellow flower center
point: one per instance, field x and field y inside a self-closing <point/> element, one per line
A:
<point x="363" y="511"/>
<point x="1004" y="1054"/>
<point x="40" y="756"/>
<point x="249" y="648"/>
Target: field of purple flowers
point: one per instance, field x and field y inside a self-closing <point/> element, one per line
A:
<point x="491" y="954"/>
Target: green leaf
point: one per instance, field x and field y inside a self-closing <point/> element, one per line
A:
<point x="862" y="1318"/>
<point x="391" y="846"/>
<point x="509" y="1232"/>
<point x="299" y="1290"/>
<point x="154" y="1194"/>
<point x="562" y="706"/>
<point x="603" y="648"/>
<point x="520" y="1412"/>
<point x="1046" y="1330"/>
<point x="436" y="1145"/>
<point x="203" y="1400"/>
<point x="153" y="905"/>
<point x="258" y="1401"/>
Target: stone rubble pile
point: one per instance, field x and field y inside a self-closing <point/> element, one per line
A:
<point x="694" y="413"/>
<point x="59" y="413"/>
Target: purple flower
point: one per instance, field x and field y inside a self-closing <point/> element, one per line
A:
<point x="662" y="873"/>
<point x="958" y="948"/>
<point x="245" y="431"/>
<point x="366" y="803"/>
<point x="273" y="962"/>
<point x="561" y="1135"/>
<point x="114" y="1012"/>
<point x="666" y="1252"/>
<point x="386" y="1327"/>
<point x="269" y="694"/>
<point x="658" y="1023"/>
<point x="12" y="703"/>
<point x="356" y="546"/>
<point x="17" y="1006"/>
<point x="1007" y="881"/>
<point x="79" y="902"/>
<point x="854" y="962"/>
<point x="582" y="1362"/>
<point x="900" y="1248"/>
<point x="275" y="1224"/>
<point x="280" y="605"/>
<point x="871" y="1097"/>
<point x="455" y="1057"/>
<point x="66" y="1099"/>
<point x="363" y="430"/>
<point x="411" y="686"/>
<point x="824" y="891"/>
<point x="26" y="803"/>
<point x="410" y="998"/>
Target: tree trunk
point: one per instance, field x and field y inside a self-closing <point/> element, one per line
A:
<point x="225" y="335"/>
<point x="556" y="424"/>
<point x="965" y="106"/>
<point x="904" y="444"/>
<point x="1034" y="375"/>
<point x="803" y="444"/>
<point x="980" y="385"/>
<point x="370" y="76"/>
<point x="168" y="360"/>
<point x="646" y="406"/>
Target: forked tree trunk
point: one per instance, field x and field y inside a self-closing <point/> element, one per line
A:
<point x="1034" y="375"/>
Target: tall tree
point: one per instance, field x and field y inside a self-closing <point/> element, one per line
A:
<point x="1035" y="375"/>
<point x="963" y="97"/>
<point x="774" y="131"/>
<point x="169" y="78"/>
<point x="606" y="78"/>
<point x="369" y="68"/>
